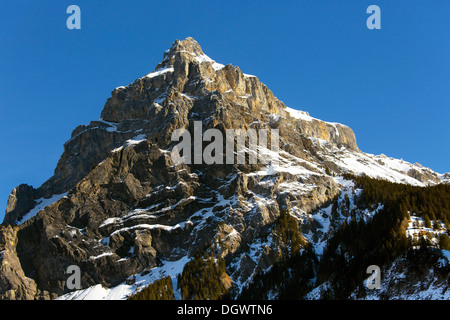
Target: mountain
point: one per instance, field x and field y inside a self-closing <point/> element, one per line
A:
<point x="122" y="210"/>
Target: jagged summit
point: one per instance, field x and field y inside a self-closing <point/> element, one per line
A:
<point x="189" y="45"/>
<point x="186" y="46"/>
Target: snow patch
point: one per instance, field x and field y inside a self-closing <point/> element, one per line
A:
<point x="136" y="140"/>
<point x="42" y="203"/>
<point x="158" y="72"/>
<point x="123" y="290"/>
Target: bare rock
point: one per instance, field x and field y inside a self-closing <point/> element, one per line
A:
<point x="20" y="201"/>
<point x="14" y="285"/>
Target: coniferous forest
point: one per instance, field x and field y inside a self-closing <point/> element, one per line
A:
<point x="159" y="290"/>
<point x="290" y="275"/>
<point x="204" y="277"/>
<point x="383" y="238"/>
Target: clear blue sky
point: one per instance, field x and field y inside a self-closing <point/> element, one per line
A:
<point x="391" y="86"/>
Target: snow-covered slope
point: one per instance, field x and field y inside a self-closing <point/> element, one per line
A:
<point x="132" y="285"/>
<point x="402" y="281"/>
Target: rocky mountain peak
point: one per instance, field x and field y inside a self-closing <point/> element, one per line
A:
<point x="185" y="69"/>
<point x="117" y="204"/>
<point x="183" y="48"/>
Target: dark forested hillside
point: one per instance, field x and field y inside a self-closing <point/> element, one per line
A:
<point x="291" y="274"/>
<point x="379" y="241"/>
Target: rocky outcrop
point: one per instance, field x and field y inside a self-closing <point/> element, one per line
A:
<point x="13" y="282"/>
<point x="20" y="201"/>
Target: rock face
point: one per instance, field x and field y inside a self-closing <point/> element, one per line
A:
<point x="186" y="86"/>
<point x="13" y="282"/>
<point x="20" y="201"/>
<point x="128" y="208"/>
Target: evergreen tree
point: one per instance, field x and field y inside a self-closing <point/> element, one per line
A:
<point x="444" y="241"/>
<point x="427" y="221"/>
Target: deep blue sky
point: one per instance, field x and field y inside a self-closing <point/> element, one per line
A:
<point x="391" y="86"/>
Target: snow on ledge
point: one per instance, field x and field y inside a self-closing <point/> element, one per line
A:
<point x="136" y="140"/>
<point x="158" y="72"/>
<point x="42" y="203"/>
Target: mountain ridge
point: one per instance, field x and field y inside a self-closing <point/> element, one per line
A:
<point x="120" y="207"/>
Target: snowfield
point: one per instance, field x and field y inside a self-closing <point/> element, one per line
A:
<point x="123" y="290"/>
